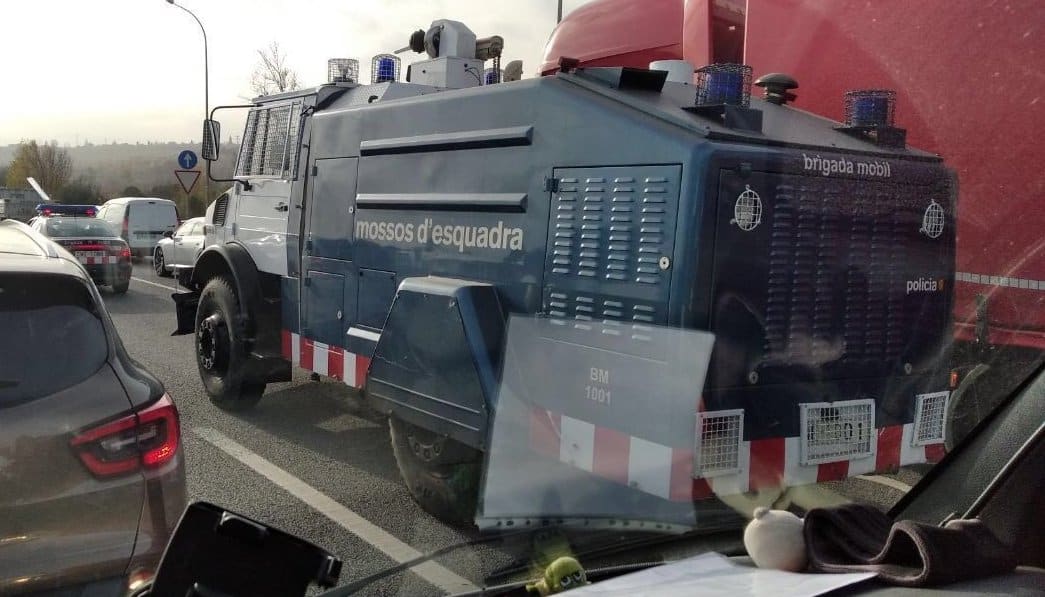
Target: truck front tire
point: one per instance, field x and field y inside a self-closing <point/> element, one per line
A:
<point x="441" y="474"/>
<point x="221" y="353"/>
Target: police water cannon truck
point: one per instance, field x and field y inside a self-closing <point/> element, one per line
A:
<point x="382" y="234"/>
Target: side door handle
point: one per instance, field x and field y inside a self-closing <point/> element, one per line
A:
<point x="282" y="206"/>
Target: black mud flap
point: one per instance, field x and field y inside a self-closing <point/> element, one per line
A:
<point x="267" y="369"/>
<point x="185" y="304"/>
<point x="436" y="363"/>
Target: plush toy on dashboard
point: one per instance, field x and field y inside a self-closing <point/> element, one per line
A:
<point x="561" y="575"/>
<point x="774" y="539"/>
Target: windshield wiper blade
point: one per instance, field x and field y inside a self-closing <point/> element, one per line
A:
<point x="521" y="565"/>
<point x="401" y="567"/>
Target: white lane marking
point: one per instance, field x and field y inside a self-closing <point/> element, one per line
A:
<point x="155" y="284"/>
<point x="887" y="481"/>
<point x="347" y="519"/>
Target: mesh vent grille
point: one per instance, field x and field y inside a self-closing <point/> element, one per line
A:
<point x="833" y="431"/>
<point x="929" y="418"/>
<point x="221" y="208"/>
<point x="718" y="442"/>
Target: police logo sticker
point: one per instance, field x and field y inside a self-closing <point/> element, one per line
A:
<point x="747" y="214"/>
<point x="932" y="221"/>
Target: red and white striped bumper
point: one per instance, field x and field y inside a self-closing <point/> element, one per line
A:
<point x="667" y="471"/>
<point x="332" y="361"/>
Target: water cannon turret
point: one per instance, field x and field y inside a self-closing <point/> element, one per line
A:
<point x="456" y="57"/>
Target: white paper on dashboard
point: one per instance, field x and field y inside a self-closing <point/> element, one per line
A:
<point x="714" y="575"/>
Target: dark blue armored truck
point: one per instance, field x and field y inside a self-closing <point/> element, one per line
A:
<point x="382" y="234"/>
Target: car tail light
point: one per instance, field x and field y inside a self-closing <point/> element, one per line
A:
<point x="146" y="439"/>
<point x="120" y="249"/>
<point x="90" y="212"/>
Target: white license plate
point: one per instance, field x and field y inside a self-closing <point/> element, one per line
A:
<point x="836" y="431"/>
<point x="85" y="256"/>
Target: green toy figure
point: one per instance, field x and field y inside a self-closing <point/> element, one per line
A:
<point x="563" y="574"/>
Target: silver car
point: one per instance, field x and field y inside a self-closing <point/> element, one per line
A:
<point x="180" y="248"/>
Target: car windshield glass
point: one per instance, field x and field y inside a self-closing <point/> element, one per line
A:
<point x="607" y="269"/>
<point x="77" y="228"/>
<point x="55" y="337"/>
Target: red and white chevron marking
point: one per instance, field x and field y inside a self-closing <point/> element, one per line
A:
<point x="332" y="361"/>
<point x="667" y="471"/>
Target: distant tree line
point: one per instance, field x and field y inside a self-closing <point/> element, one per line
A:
<point x="101" y="172"/>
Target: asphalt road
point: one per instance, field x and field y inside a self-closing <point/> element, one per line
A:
<point x="308" y="461"/>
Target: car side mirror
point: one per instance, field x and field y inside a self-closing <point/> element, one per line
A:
<point x="218" y="552"/>
<point x="211" y="140"/>
<point x="168" y="233"/>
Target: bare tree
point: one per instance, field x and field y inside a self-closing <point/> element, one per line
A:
<point x="272" y="75"/>
<point x="49" y="164"/>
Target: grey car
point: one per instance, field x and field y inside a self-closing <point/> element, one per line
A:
<point x="92" y="473"/>
<point x="179" y="249"/>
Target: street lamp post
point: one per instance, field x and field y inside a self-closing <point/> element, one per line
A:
<point x="206" y="82"/>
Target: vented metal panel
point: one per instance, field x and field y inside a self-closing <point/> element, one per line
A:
<point x="221" y="210"/>
<point x="610" y="231"/>
<point x="834" y="280"/>
<point x="814" y="237"/>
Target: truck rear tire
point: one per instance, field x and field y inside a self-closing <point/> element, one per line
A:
<point x="441" y="474"/>
<point x="220" y="350"/>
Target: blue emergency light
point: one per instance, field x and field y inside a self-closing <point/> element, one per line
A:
<point x="727" y="84"/>
<point x="870" y="107"/>
<point x="384" y="68"/>
<point x="491" y="76"/>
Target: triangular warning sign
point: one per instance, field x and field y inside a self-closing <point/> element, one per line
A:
<point x="187" y="178"/>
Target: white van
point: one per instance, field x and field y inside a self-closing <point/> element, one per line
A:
<point x="141" y="221"/>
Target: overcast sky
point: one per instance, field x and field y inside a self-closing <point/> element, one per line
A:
<point x="132" y="70"/>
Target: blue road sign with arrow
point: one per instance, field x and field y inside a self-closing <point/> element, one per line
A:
<point x="187" y="159"/>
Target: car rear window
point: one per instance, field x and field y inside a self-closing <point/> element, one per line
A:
<point x="78" y="227"/>
<point x="53" y="336"/>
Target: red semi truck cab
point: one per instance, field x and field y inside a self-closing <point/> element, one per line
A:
<point x="968" y="82"/>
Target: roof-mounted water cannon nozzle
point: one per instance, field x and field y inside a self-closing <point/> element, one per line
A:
<point x="777" y="88"/>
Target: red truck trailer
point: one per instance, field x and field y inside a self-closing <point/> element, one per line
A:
<point x="968" y="82"/>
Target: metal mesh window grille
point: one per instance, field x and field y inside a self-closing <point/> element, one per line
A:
<point x="833" y="431"/>
<point x="257" y="158"/>
<point x="719" y="434"/>
<point x="290" y="165"/>
<point x="929" y="418"/>
<point x="270" y="142"/>
<point x="276" y="141"/>
<point x="246" y="149"/>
